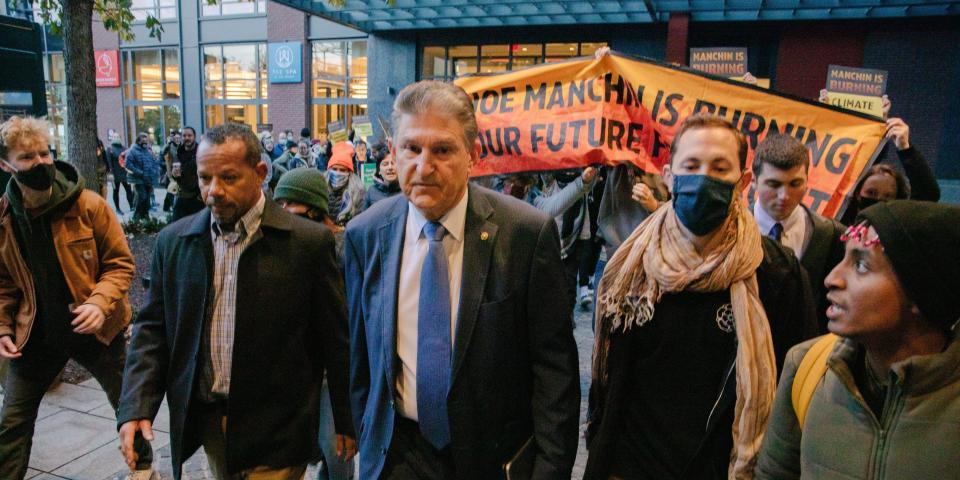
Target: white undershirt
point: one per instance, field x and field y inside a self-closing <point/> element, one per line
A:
<point x="415" y="248"/>
<point x="797" y="228"/>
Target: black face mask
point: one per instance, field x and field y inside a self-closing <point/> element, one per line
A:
<point x="38" y="177"/>
<point x="701" y="202"/>
<point x="866" y="202"/>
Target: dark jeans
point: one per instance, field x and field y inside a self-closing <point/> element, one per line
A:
<point x="143" y="199"/>
<point x="116" y="194"/>
<point x="411" y="457"/>
<point x="27" y="382"/>
<point x="185" y="206"/>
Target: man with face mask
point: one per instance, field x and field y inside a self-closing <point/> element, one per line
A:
<point x="143" y="168"/>
<point x="696" y="311"/>
<point x="65" y="269"/>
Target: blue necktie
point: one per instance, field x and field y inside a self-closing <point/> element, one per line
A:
<point x="433" y="341"/>
<point x="776" y="232"/>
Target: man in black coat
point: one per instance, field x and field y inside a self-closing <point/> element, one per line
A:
<point x="780" y="167"/>
<point x="461" y="348"/>
<point x="242" y="364"/>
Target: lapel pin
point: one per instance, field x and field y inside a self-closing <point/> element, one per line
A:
<point x="484" y="235"/>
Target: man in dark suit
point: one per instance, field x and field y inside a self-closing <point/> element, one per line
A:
<point x="461" y="345"/>
<point x="780" y="167"/>
<point x="246" y="311"/>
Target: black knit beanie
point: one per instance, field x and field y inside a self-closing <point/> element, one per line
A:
<point x="922" y="241"/>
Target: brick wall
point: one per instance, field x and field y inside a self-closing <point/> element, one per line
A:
<point x="109" y="99"/>
<point x="289" y="103"/>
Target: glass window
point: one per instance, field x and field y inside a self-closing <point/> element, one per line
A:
<point x="525" y="55"/>
<point x="328" y="59"/>
<point x="56" y="92"/>
<point x="434" y="63"/>
<point x="561" y="51"/>
<point x="235" y="84"/>
<point x="151" y="89"/>
<point x="161" y="9"/>
<point x="494" y="58"/>
<point x="464" y="59"/>
<point x="233" y="7"/>
<point x="446" y="63"/>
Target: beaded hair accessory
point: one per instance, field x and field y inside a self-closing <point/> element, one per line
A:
<point x="859" y="234"/>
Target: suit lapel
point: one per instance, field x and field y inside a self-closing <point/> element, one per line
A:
<point x="819" y="247"/>
<point x="478" y="241"/>
<point x="391" y="235"/>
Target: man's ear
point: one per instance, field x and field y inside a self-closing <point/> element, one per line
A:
<point x="475" y="153"/>
<point x="668" y="177"/>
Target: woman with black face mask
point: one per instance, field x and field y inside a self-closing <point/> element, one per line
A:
<point x="882" y="183"/>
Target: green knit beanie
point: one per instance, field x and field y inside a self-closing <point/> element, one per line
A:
<point x="304" y="185"/>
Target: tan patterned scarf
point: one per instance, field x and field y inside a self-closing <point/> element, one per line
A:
<point x="656" y="259"/>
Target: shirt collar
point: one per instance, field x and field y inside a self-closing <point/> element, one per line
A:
<point x="766" y="222"/>
<point x="454" y="221"/>
<point x="248" y="223"/>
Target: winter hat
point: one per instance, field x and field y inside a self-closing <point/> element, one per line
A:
<point x="342" y="156"/>
<point x="921" y="239"/>
<point x="304" y="185"/>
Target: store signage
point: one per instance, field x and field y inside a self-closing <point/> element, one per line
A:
<point x="619" y="109"/>
<point x="285" y="62"/>
<point x="107" y="66"/>
<point x="859" y="89"/>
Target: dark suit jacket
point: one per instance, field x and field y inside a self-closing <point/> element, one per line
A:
<point x="515" y="368"/>
<point x="290" y="326"/>
<point x="823" y="253"/>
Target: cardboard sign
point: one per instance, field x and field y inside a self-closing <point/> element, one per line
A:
<point x="107" y="65"/>
<point x="337" y="132"/>
<point x="730" y="62"/>
<point x="859" y="89"/>
<point x="285" y="62"/>
<point x="362" y="128"/>
<point x="621" y="109"/>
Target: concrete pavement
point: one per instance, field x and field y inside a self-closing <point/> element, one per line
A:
<point x="76" y="436"/>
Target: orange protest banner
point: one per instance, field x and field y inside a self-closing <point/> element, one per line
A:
<point x="615" y="109"/>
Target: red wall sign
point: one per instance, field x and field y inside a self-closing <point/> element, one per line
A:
<point x="107" y="65"/>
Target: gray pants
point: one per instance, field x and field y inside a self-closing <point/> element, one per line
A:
<point x="27" y="381"/>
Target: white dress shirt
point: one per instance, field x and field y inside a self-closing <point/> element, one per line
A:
<point x="797" y="228"/>
<point x="415" y="248"/>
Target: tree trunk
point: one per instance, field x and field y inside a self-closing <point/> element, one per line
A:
<point x="81" y="88"/>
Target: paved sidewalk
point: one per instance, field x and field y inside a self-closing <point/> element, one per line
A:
<point x="76" y="430"/>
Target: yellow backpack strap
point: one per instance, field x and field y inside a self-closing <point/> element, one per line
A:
<point x="812" y="368"/>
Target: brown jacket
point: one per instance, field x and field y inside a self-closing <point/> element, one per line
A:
<point x="96" y="261"/>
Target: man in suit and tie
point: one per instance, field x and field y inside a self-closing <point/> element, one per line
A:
<point x="780" y="167"/>
<point x="461" y="344"/>
<point x="246" y="313"/>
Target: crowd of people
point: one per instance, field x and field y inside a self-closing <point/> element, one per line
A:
<point x="421" y="326"/>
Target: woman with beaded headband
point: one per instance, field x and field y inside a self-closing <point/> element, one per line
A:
<point x="885" y="402"/>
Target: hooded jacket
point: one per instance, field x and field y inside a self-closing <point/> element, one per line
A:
<point x="142" y="165"/>
<point x="91" y="248"/>
<point x="917" y="434"/>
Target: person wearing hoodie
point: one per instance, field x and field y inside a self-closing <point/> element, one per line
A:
<point x="119" y="173"/>
<point x="347" y="194"/>
<point x="65" y="269"/>
<point x="878" y="397"/>
<point x="143" y="168"/>
<point x="385" y="180"/>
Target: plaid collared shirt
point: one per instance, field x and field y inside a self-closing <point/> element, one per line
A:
<point x="219" y="332"/>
